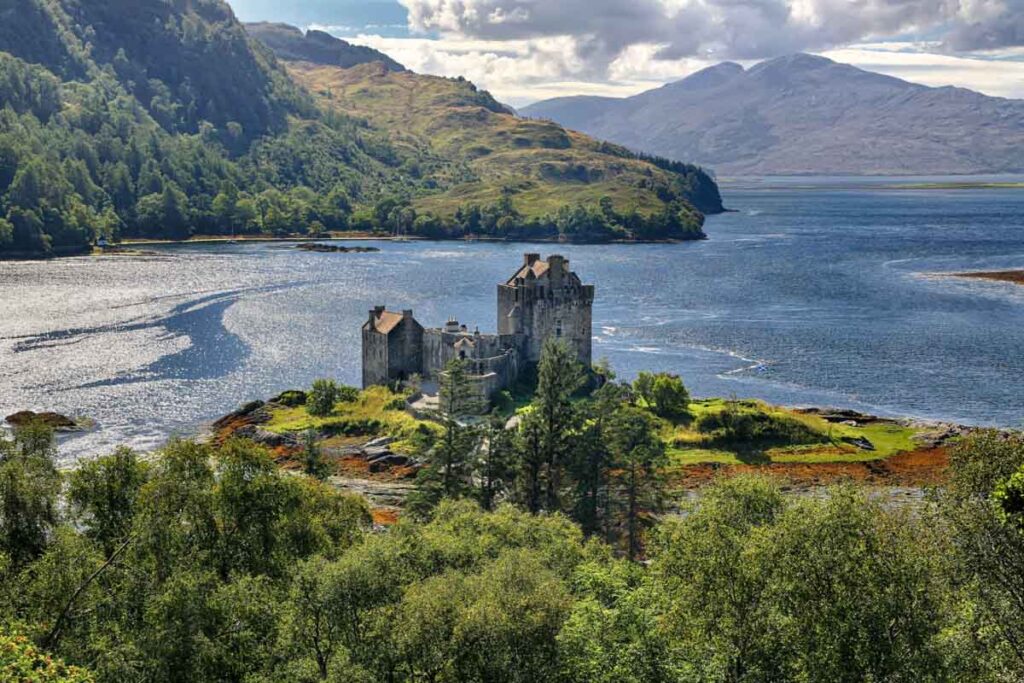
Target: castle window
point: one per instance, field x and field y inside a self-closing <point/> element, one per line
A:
<point x="558" y="328"/>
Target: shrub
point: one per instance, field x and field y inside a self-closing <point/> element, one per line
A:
<point x="20" y="660"/>
<point x="397" y="403"/>
<point x="322" y="398"/>
<point x="735" y="424"/>
<point x="669" y="395"/>
<point x="347" y="394"/>
<point x="1009" y="499"/>
<point x="292" y="398"/>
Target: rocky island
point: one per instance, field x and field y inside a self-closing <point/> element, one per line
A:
<point x="334" y="248"/>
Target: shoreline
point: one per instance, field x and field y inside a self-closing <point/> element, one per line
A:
<point x="125" y="247"/>
<point x="370" y="237"/>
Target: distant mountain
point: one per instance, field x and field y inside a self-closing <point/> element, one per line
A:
<point x="804" y="114"/>
<point x="289" y="42"/>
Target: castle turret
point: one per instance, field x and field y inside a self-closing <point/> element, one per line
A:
<point x="545" y="299"/>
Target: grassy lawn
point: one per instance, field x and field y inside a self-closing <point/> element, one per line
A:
<point x="377" y="412"/>
<point x="781" y="436"/>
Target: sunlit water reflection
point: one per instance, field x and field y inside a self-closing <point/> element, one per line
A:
<point x="804" y="296"/>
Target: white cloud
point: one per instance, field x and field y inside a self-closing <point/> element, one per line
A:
<point x="999" y="74"/>
<point x="734" y="29"/>
<point x="521" y="71"/>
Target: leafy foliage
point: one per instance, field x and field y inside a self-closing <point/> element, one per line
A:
<point x="322" y="398"/>
<point x="20" y="660"/>
<point x="225" y="569"/>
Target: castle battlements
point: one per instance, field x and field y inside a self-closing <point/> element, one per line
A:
<point x="543" y="299"/>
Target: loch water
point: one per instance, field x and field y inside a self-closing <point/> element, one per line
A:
<point x="813" y="292"/>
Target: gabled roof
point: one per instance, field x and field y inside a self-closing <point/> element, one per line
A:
<point x="539" y="268"/>
<point x="386" y="322"/>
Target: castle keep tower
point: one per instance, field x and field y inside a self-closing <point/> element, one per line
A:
<point x="545" y="299"/>
<point x="392" y="347"/>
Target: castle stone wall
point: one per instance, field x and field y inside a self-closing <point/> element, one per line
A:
<point x="375" y="358"/>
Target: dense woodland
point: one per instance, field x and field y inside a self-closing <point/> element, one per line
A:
<point x="521" y="561"/>
<point x="164" y="119"/>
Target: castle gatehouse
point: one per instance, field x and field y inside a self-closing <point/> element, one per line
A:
<point x="542" y="300"/>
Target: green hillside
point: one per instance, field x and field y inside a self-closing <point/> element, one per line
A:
<point x="164" y="118"/>
<point x="483" y="157"/>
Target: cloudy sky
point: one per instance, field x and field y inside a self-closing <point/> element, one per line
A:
<point x="525" y="50"/>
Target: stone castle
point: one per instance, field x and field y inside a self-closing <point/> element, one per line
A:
<point x="542" y="300"/>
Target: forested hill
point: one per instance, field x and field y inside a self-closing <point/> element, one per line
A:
<point x="289" y="42"/>
<point x="164" y="118"/>
<point x="186" y="62"/>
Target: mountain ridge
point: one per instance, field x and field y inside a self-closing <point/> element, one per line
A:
<point x="806" y="114"/>
<point x="320" y="47"/>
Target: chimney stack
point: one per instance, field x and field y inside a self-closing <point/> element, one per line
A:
<point x="530" y="259"/>
<point x="556" y="268"/>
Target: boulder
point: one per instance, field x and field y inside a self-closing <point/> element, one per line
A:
<point x="267" y="438"/>
<point x="375" y="452"/>
<point x="250" y="413"/>
<point x="859" y="442"/>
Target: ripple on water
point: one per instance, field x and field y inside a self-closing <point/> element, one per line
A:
<point x="837" y="311"/>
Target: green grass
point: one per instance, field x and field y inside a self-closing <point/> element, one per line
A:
<point x="821" y="441"/>
<point x="367" y="417"/>
<point x="375" y="414"/>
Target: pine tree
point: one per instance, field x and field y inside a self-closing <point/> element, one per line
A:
<point x="638" y="458"/>
<point x="558" y="377"/>
<point x="313" y="459"/>
<point x="494" y="467"/>
<point x="448" y="472"/>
